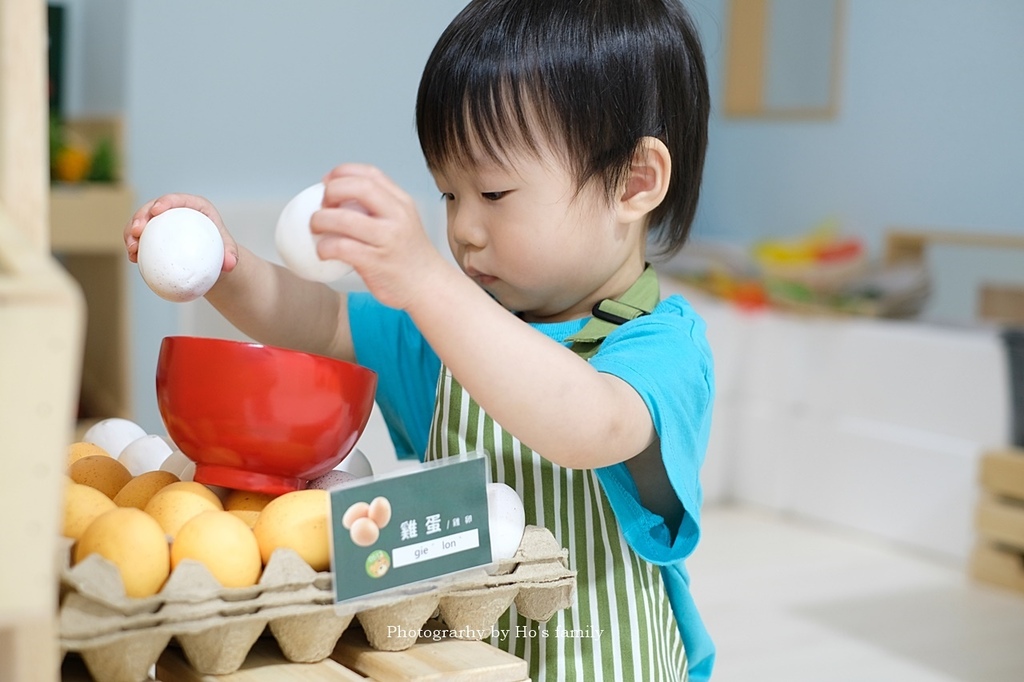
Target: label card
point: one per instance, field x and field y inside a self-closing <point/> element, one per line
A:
<point x="409" y="528"/>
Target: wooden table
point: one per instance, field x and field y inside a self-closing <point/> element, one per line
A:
<point x="447" y="660"/>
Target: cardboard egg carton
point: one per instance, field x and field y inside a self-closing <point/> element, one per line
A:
<point x="120" y="638"/>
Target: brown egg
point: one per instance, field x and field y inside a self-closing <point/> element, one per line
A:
<point x="364" y="532"/>
<point x="247" y="504"/>
<point x="102" y="472"/>
<point x="77" y="451"/>
<point x="141" y="489"/>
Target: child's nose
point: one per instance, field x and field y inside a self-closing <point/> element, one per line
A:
<point x="465" y="227"/>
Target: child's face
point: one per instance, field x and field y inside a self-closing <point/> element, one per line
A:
<point x="538" y="244"/>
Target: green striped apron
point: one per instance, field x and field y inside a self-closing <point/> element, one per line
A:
<point x="621" y="626"/>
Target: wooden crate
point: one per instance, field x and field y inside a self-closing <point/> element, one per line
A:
<point x="354" y="660"/>
<point x="998" y="557"/>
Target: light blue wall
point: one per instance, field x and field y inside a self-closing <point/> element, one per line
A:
<point x="255" y="99"/>
<point x="930" y="129"/>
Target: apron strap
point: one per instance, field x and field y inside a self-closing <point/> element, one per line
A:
<point x="608" y="314"/>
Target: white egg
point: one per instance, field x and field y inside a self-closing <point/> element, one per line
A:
<point x="332" y="479"/>
<point x="189" y="472"/>
<point x="506" y="520"/>
<point x="356" y="464"/>
<point x="113" y="434"/>
<point x="145" y="454"/>
<point x="296" y="243"/>
<point x="181" y="254"/>
<point x="176" y="463"/>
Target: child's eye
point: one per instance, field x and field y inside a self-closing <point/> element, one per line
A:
<point x="493" y="196"/>
<point x="447" y="196"/>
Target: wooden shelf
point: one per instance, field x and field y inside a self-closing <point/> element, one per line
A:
<point x="87" y="222"/>
<point x="89" y="218"/>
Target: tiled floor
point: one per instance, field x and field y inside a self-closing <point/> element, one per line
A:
<point x="794" y="601"/>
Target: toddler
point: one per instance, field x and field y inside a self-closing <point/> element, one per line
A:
<point x="565" y="137"/>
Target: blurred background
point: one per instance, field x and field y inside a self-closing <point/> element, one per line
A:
<point x="858" y="251"/>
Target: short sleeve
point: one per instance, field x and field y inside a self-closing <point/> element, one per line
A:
<point x="666" y="358"/>
<point x="387" y="341"/>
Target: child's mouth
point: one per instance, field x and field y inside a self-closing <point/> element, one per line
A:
<point x="480" y="278"/>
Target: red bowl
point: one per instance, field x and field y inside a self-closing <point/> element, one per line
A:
<point x="258" y="417"/>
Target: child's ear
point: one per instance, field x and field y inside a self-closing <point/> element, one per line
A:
<point x="647" y="182"/>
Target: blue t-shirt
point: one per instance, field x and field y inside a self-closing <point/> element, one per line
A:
<point x="664" y="356"/>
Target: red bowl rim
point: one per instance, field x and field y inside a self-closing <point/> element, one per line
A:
<point x="256" y="345"/>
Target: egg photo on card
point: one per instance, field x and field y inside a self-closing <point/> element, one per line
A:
<point x="181" y="253"/>
<point x="296" y="243"/>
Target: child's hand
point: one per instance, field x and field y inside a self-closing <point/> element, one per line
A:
<point x="386" y="245"/>
<point x="133" y="230"/>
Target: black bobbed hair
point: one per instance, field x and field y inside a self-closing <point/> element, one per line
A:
<point x="591" y="77"/>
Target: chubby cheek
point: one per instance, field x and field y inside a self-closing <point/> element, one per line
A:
<point x="456" y="250"/>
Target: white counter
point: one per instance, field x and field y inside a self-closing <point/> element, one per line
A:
<point x="873" y="424"/>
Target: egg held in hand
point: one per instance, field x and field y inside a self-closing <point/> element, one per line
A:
<point x="181" y="254"/>
<point x="296" y="242"/>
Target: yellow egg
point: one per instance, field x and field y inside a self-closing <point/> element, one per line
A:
<point x="134" y="542"/>
<point x="102" y="472"/>
<point x="175" y="504"/>
<point x="82" y="505"/>
<point x="224" y="544"/>
<point x="140" y="490"/>
<point x="201" y="490"/>
<point x="77" y="451"/>
<point x="297" y="520"/>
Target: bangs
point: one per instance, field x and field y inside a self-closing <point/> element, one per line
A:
<point x="480" y="109"/>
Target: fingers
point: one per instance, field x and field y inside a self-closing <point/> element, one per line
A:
<point x="366" y="185"/>
<point x="133" y="230"/>
<point x="346" y="222"/>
